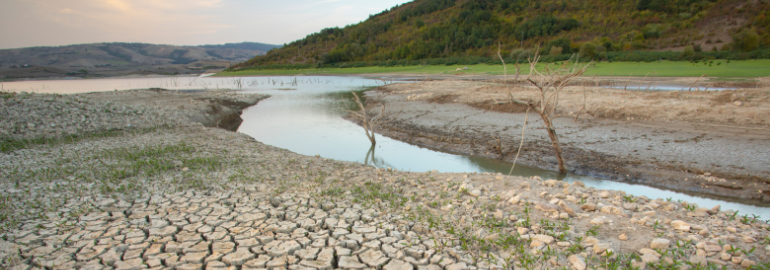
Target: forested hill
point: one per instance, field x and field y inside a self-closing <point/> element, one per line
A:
<point x="429" y="29"/>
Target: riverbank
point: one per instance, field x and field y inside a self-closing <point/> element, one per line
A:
<point x="716" y="68"/>
<point x="178" y="194"/>
<point x="700" y="142"/>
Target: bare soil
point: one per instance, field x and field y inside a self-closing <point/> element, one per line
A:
<point x="710" y="143"/>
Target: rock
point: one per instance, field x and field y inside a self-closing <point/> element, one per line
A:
<point x="599" y="248"/>
<point x="712" y="248"/>
<point x="515" y="200"/>
<point x="623" y="237"/>
<point x="547" y="207"/>
<point x="680" y="225"/>
<point x="566" y="208"/>
<point x="275" y="201"/>
<point x="604" y="194"/>
<point x="746" y="263"/>
<point x="543" y="238"/>
<point x="551" y="183"/>
<point x="588" y="207"/>
<point x="577" y="262"/>
<point x="649" y="258"/>
<point x="475" y="193"/>
<point x="611" y="210"/>
<point x="698" y="260"/>
<point x="738" y="103"/>
<point x="660" y="243"/>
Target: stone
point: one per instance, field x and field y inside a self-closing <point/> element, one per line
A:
<point x="609" y="209"/>
<point x="649" y="258"/>
<point x="547" y="207"/>
<point x="698" y="260"/>
<point x="746" y="263"/>
<point x="566" y="208"/>
<point x="712" y="248"/>
<point x="623" y="237"/>
<point x="514" y="200"/>
<point x="660" y="243"/>
<point x="599" y="248"/>
<point x="577" y="262"/>
<point x="475" y="193"/>
<point x="680" y="225"/>
<point x="238" y="257"/>
<point x="588" y="207"/>
<point x="547" y="239"/>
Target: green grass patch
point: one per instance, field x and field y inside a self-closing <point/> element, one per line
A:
<point x="711" y="68"/>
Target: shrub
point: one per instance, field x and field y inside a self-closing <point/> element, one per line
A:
<point x="697" y="48"/>
<point x="588" y="51"/>
<point x="555" y="50"/>
<point x="688" y="52"/>
<point x="745" y="40"/>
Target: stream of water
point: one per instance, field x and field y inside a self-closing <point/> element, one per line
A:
<point x="304" y="115"/>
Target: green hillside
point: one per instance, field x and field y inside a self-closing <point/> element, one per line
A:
<point x="472" y="29"/>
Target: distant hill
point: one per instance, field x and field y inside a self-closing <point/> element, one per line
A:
<point x="431" y="29"/>
<point x="254" y="46"/>
<point x="113" y="59"/>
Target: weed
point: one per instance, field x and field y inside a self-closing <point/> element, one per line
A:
<point x="594" y="230"/>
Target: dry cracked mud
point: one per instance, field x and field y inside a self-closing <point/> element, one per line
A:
<point x="186" y="196"/>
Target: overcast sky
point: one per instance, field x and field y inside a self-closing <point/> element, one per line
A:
<point x="25" y="23"/>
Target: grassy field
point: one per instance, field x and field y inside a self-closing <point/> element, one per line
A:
<point x="719" y="68"/>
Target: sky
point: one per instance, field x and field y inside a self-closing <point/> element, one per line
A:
<point x="27" y="23"/>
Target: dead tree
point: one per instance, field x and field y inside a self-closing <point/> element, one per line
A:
<point x="550" y="82"/>
<point x="367" y="121"/>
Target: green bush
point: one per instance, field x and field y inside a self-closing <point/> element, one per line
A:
<point x="688" y="52"/>
<point x="588" y="51"/>
<point x="746" y="40"/>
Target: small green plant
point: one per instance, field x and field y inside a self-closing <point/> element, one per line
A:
<point x="594" y="231"/>
<point x="690" y="207"/>
<point x="629" y="198"/>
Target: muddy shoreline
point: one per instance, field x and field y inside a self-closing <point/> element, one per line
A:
<point x="713" y="159"/>
<point x="174" y="194"/>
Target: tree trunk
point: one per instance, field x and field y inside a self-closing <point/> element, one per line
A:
<point x="554" y="142"/>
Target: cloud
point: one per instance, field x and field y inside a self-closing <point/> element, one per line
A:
<point x="182" y="22"/>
